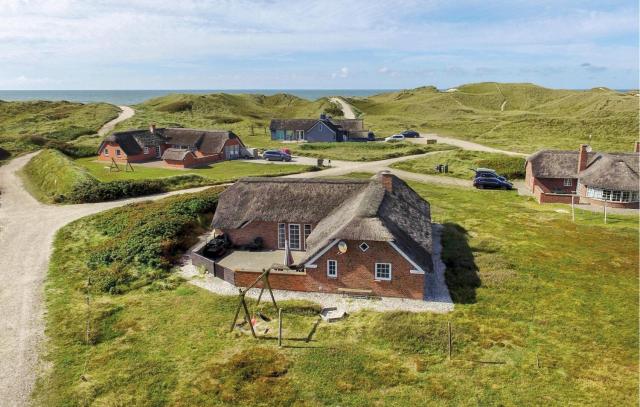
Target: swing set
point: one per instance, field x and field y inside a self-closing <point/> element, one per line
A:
<point x="242" y="303"/>
<point x="114" y="167"/>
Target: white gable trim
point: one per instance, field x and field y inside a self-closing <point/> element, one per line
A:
<point x="310" y="263"/>
<point x="323" y="124"/>
<point x="418" y="269"/>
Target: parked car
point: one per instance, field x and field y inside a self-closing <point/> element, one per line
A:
<point x="410" y="134"/>
<point x="486" y="181"/>
<point x="275" y="155"/>
<point x="488" y="172"/>
<point x="395" y="137"/>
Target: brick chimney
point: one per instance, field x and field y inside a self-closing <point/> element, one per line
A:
<point x="637" y="147"/>
<point x="583" y="157"/>
<point x="152" y="128"/>
<point x="386" y="179"/>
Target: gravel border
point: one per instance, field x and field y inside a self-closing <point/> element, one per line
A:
<point x="437" y="298"/>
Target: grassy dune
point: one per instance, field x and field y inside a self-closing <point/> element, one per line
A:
<point x="546" y="313"/>
<point x="51" y="175"/>
<point x="237" y="112"/>
<point x="519" y="117"/>
<point x="460" y="163"/>
<point x="27" y="126"/>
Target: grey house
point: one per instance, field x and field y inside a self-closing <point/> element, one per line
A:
<point x="324" y="129"/>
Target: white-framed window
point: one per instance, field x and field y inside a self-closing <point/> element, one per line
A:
<point x="294" y="236"/>
<point x="106" y="152"/>
<point x="568" y="182"/>
<point x="332" y="268"/>
<point x="364" y="247"/>
<point x="118" y="152"/>
<point x="146" y="150"/>
<point x="307" y="232"/>
<point x="612" y="196"/>
<point x="300" y="134"/>
<point x="282" y="235"/>
<point x="383" y="271"/>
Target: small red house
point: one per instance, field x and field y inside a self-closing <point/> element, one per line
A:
<point x="346" y="236"/>
<point x="176" y="146"/>
<point x="558" y="176"/>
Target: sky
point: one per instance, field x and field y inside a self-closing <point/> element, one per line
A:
<point x="329" y="44"/>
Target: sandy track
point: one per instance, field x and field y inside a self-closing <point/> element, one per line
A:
<point x="463" y="144"/>
<point x="347" y="111"/>
<point x="27" y="229"/>
<point x="125" y="113"/>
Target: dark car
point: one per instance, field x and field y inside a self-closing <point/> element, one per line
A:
<point x="275" y="155"/>
<point x="410" y="134"/>
<point x="487" y="172"/>
<point x="487" y="181"/>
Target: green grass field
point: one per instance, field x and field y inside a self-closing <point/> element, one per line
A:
<point x="27" y="126"/>
<point x="355" y="151"/>
<point x="546" y="314"/>
<point x="518" y="117"/>
<point x="220" y="172"/>
<point x="460" y="163"/>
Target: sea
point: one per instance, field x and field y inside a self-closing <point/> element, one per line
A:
<point x="130" y="97"/>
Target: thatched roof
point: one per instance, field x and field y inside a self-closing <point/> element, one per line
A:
<point x="133" y="141"/>
<point x="281" y="199"/>
<point x="208" y="141"/>
<point x="604" y="170"/>
<point x="175" y="154"/>
<point x="612" y="171"/>
<point x="348" y="209"/>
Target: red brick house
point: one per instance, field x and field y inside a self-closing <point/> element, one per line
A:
<point x="365" y="236"/>
<point x="176" y="146"/>
<point x="558" y="176"/>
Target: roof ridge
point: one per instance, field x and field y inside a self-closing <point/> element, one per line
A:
<point x="282" y="180"/>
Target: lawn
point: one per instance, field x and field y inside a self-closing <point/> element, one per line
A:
<point x="460" y="163"/>
<point x="225" y="171"/>
<point x="511" y="116"/>
<point x="546" y="313"/>
<point x="363" y="151"/>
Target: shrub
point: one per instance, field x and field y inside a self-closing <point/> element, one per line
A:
<point x="176" y="107"/>
<point x="69" y="133"/>
<point x="141" y="244"/>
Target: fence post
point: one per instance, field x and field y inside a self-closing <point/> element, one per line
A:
<point x="573" y="209"/>
<point x="605" y="212"/>
<point x="280" y="327"/>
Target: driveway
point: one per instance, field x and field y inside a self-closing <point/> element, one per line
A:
<point x="27" y="229"/>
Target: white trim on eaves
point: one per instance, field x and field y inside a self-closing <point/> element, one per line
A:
<point x="309" y="263"/>
<point x="418" y="269"/>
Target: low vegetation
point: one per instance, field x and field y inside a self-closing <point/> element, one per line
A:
<point x="28" y="126"/>
<point x="363" y="151"/>
<point x="53" y="177"/>
<point x="546" y="313"/>
<point x="518" y="117"/>
<point x="460" y="163"/>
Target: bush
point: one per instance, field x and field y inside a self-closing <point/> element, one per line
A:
<point x="68" y="134"/>
<point x="176" y="107"/>
<point x="95" y="191"/>
<point x="141" y="244"/>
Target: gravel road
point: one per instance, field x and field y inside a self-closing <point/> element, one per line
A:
<point x="347" y="111"/>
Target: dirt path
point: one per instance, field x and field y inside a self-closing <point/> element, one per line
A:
<point x="463" y="144"/>
<point x="125" y="113"/>
<point x="27" y="229"/>
<point x="347" y="110"/>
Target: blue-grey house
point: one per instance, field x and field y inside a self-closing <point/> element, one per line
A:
<point x="324" y="129"/>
